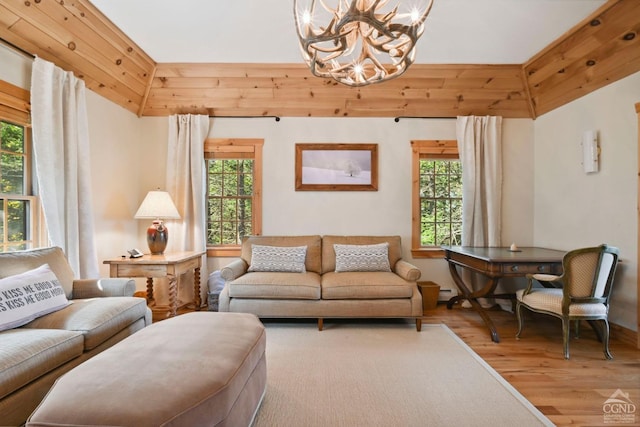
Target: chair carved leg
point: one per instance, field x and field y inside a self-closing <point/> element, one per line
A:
<point x="520" y="320"/>
<point x="566" y="329"/>
<point x="605" y="339"/>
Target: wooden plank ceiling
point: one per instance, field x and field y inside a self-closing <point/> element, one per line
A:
<point x="76" y="36"/>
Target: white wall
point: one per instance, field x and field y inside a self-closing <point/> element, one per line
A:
<point x="573" y="209"/>
<point x="128" y="158"/>
<point x="388" y="210"/>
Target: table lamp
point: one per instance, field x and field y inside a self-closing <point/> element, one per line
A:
<point x="157" y="205"/>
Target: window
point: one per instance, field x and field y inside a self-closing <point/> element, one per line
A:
<point x="17" y="206"/>
<point x="234" y="193"/>
<point x="437" y="197"/>
<point x="19" y="212"/>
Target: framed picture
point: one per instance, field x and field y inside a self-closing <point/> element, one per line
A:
<point x="336" y="167"/>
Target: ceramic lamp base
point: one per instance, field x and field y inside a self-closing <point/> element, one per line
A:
<point x="157" y="237"/>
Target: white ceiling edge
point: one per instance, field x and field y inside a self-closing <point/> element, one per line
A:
<point x="262" y="31"/>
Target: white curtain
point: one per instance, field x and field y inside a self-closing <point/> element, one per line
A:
<point x="62" y="158"/>
<point x="186" y="180"/>
<point x="479" y="145"/>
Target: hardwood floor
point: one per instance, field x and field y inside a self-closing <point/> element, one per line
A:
<point x="569" y="392"/>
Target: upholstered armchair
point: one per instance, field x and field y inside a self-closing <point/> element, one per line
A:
<point x="580" y="293"/>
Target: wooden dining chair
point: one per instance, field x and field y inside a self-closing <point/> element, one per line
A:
<point x="580" y="293"/>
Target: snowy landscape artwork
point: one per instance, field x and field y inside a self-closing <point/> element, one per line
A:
<point x="336" y="166"/>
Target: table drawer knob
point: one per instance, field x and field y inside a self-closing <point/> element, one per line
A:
<point x="542" y="268"/>
<point x="514" y="268"/>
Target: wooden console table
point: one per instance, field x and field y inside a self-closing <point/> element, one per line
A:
<point x="170" y="265"/>
<point x="496" y="263"/>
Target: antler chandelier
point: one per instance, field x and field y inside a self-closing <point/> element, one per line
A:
<point x="359" y="42"/>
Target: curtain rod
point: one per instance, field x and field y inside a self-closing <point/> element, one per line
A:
<point x="277" y="118"/>
<point x="397" y="119"/>
<point x="20" y="50"/>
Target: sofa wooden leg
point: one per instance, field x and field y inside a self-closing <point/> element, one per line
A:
<point x="418" y="324"/>
<point x="320" y="323"/>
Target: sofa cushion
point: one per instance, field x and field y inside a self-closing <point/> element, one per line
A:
<point x="20" y="261"/>
<point x="329" y="255"/>
<point x="276" y="285"/>
<point x="27" y="354"/>
<point x="365" y="285"/>
<point x="313" y="244"/>
<point x="288" y="259"/>
<point x="362" y="257"/>
<point x="97" y="318"/>
<point x="29" y="295"/>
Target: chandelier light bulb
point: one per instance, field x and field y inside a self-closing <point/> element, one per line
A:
<point x="415" y="15"/>
<point x="306" y="17"/>
<point x="358" y="42"/>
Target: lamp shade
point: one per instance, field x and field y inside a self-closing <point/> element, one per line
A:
<point x="157" y="204"/>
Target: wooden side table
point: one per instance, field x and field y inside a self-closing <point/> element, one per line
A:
<point x="170" y="265"/>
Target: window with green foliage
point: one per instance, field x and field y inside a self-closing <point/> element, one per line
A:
<point x="234" y="193"/>
<point x="437" y="197"/>
<point x="17" y="206"/>
<point x="440" y="202"/>
<point x="230" y="198"/>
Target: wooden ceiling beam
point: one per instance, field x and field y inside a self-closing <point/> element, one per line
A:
<point x="78" y="38"/>
<point x="602" y="49"/>
<point x="290" y="90"/>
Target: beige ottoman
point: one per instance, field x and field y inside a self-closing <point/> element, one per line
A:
<point x="198" y="369"/>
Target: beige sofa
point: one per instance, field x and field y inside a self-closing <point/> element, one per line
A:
<point x="322" y="292"/>
<point x="101" y="313"/>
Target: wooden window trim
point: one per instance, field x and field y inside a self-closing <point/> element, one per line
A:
<point x="239" y="148"/>
<point x="15" y="105"/>
<point x="425" y="149"/>
<point x="224" y="251"/>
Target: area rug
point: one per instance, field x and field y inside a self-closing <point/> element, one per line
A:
<point x="383" y="375"/>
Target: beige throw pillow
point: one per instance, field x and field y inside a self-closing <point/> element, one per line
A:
<point x="288" y="259"/>
<point x="362" y="257"/>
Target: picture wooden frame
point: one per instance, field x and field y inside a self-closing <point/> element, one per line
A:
<point x="336" y="167"/>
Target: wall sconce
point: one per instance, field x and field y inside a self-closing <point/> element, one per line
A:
<point x="590" y="151"/>
<point x="157" y="205"/>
